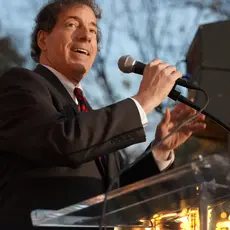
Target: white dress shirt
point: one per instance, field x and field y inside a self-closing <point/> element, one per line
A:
<point x="161" y="163"/>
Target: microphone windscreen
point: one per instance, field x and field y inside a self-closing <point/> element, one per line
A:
<point x="126" y="64"/>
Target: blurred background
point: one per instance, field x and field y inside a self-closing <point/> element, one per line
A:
<point x="144" y="29"/>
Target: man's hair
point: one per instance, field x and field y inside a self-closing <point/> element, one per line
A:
<point x="47" y="19"/>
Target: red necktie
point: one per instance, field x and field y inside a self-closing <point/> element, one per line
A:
<point x="82" y="103"/>
<point x="84" y="107"/>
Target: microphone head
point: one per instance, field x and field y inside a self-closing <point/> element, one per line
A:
<point x="126" y="64"/>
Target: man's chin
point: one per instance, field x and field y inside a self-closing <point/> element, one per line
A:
<point x="79" y="68"/>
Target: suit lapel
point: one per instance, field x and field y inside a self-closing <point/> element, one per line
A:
<point x="55" y="82"/>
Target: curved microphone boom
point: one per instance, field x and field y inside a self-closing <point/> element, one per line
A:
<point x="128" y="64"/>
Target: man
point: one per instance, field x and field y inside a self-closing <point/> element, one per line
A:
<point x="56" y="150"/>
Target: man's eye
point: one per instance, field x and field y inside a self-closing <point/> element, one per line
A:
<point x="93" y="31"/>
<point x="71" y="25"/>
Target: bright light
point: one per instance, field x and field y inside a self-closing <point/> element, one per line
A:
<point x="188" y="218"/>
<point x="223" y="215"/>
<point x="169" y="215"/>
<point x="223" y="224"/>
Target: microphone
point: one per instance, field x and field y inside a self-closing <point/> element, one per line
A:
<point x="128" y="64"/>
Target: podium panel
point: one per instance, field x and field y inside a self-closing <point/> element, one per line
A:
<point x="185" y="194"/>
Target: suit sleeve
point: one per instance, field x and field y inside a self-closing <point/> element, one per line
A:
<point x="31" y="126"/>
<point x="143" y="169"/>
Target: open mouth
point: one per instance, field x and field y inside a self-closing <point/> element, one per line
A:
<point x="81" y="51"/>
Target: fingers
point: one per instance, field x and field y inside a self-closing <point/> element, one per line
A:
<point x="183" y="114"/>
<point x="188" y="112"/>
<point x="167" y="117"/>
<point x="158" y="65"/>
<point x="180" y="114"/>
<point x="189" y="128"/>
<point x="167" y="70"/>
<point x="158" y="80"/>
<point x="178" y="108"/>
<point x="182" y="111"/>
<point x="186" y="115"/>
<point x="155" y="62"/>
<point x="176" y="75"/>
<point x="194" y="127"/>
<point x="161" y="67"/>
<point x="164" y="68"/>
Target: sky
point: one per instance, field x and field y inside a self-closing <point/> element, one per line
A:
<point x="17" y="16"/>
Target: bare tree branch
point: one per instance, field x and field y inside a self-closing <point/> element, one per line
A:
<point x="215" y="6"/>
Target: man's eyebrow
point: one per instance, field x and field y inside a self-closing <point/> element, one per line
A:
<point x="79" y="19"/>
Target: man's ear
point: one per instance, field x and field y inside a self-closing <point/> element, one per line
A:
<point x="42" y="40"/>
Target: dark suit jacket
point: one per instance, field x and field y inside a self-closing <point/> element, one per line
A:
<point x="49" y="150"/>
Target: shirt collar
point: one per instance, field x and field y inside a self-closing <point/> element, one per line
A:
<point x="66" y="82"/>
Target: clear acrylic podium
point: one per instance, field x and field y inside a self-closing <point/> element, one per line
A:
<point x="197" y="188"/>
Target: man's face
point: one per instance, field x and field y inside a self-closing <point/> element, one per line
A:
<point x="71" y="47"/>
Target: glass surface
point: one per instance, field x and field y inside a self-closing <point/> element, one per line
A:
<point x="188" y="195"/>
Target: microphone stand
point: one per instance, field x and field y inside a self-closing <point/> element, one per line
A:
<point x="175" y="95"/>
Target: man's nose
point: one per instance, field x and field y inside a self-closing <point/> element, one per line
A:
<point x="84" y="34"/>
